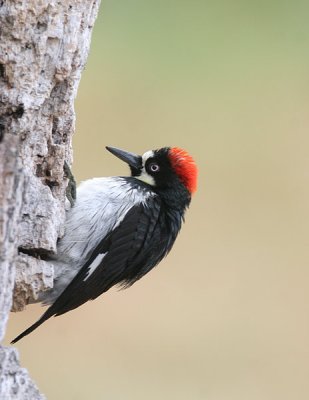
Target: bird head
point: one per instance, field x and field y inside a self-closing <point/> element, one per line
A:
<point x="162" y="168"/>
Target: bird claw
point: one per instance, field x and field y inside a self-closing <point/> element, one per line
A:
<point x="71" y="188"/>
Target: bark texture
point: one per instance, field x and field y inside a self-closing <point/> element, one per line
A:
<point x="43" y="49"/>
<point x="14" y="380"/>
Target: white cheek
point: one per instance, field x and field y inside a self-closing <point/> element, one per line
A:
<point x="144" y="177"/>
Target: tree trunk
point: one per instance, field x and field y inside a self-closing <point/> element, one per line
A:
<point x="43" y="49"/>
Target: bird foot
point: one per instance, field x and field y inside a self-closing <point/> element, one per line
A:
<point x="71" y="188"/>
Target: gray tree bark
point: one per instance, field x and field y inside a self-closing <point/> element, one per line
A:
<point x="43" y="49"/>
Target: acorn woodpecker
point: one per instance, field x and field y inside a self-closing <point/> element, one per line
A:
<point x="119" y="228"/>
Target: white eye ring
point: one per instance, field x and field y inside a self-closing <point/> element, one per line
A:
<point x="154" y="167"/>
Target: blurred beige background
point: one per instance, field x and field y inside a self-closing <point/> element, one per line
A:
<point x="226" y="315"/>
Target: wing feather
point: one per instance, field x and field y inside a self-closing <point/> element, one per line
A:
<point x="126" y="250"/>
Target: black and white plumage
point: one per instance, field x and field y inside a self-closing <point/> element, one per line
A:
<point x="119" y="228"/>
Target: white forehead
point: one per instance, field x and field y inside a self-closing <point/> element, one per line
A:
<point x="147" y="155"/>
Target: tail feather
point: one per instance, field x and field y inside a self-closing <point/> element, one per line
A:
<point x="31" y="328"/>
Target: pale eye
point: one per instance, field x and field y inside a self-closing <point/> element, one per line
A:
<point x="154" y="167"/>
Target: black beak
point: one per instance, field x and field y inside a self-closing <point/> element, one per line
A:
<point x="134" y="160"/>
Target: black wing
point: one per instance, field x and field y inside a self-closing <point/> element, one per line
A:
<point x="126" y="254"/>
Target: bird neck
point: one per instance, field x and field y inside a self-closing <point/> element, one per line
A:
<point x="176" y="198"/>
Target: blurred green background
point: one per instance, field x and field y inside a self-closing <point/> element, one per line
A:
<point x="226" y="315"/>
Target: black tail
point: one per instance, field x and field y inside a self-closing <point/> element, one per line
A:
<point x="31" y="328"/>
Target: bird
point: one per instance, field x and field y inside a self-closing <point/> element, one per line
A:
<point x="119" y="228"/>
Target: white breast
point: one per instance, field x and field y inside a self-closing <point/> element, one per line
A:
<point x="101" y="205"/>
